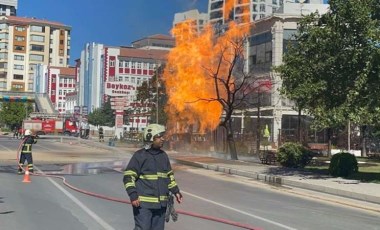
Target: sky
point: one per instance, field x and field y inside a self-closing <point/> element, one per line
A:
<point x="109" y="22"/>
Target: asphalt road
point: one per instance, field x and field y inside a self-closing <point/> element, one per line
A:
<point x="46" y="203"/>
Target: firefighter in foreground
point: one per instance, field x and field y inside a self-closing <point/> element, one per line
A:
<point x="26" y="151"/>
<point x="148" y="180"/>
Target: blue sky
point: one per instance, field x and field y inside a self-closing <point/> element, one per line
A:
<point x="110" y="22"/>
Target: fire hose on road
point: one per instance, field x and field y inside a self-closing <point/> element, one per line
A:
<point x="171" y="212"/>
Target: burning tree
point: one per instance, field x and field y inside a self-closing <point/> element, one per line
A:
<point x="206" y="80"/>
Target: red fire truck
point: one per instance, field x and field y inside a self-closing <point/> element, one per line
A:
<point x="65" y="126"/>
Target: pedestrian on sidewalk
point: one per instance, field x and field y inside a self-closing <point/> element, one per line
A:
<point x="26" y="151"/>
<point x="148" y="178"/>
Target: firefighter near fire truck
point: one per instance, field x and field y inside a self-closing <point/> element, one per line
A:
<point x="149" y="180"/>
<point x="26" y="151"/>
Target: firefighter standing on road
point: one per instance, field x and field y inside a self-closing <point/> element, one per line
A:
<point x="26" y="151"/>
<point x="101" y="134"/>
<point x="148" y="179"/>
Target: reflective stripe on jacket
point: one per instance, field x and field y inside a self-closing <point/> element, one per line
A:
<point x="149" y="178"/>
<point x="27" y="146"/>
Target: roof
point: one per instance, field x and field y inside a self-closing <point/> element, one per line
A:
<point x="131" y="52"/>
<point x="28" y="21"/>
<point x="156" y="36"/>
<point x="67" y="71"/>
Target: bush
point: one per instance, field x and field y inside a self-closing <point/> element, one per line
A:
<point x="294" y="155"/>
<point x="343" y="164"/>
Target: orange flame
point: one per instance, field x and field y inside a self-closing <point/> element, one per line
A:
<point x="190" y="74"/>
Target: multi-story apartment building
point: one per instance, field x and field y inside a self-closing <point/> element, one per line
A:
<point x="116" y="72"/>
<point x="27" y="42"/>
<point x="256" y="9"/>
<point x="266" y="46"/>
<point x="157" y="42"/>
<point x="57" y="83"/>
<point x="8" y="7"/>
<point x="197" y="20"/>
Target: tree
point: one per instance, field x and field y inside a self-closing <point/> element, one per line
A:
<point x="332" y="72"/>
<point x="13" y="113"/>
<point x="103" y="116"/>
<point x="152" y="95"/>
<point x="206" y="80"/>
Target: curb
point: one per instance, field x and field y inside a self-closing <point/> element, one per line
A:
<point x="282" y="181"/>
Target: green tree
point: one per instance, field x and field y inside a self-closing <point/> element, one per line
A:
<point x="152" y="95"/>
<point x="13" y="113"/>
<point x="332" y="71"/>
<point x="103" y="116"/>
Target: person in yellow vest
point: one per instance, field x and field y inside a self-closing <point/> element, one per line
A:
<point x="26" y="151"/>
<point x="148" y="179"/>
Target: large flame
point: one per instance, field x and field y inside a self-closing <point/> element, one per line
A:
<point x="190" y="74"/>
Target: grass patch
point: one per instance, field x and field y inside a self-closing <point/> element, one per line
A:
<point x="369" y="169"/>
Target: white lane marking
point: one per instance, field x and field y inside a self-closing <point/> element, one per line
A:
<point x="242" y="212"/>
<point x="43" y="147"/>
<point x="99" y="220"/>
<point x="6" y="148"/>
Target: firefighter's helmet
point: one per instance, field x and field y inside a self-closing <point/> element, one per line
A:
<point x="28" y="132"/>
<point x="153" y="130"/>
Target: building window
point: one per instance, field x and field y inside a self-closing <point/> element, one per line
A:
<point x="18" y="67"/>
<point x="37" y="29"/>
<point x="3" y="45"/>
<point x="19" y="48"/>
<point x="3" y="26"/>
<point x="61" y="52"/>
<point x="20" y="28"/>
<point x="18" y="77"/>
<point x="35" y="57"/>
<point x="19" y="57"/>
<point x="61" y="61"/>
<point x="37" y="48"/>
<point x="112" y="63"/>
<point x="19" y="38"/>
<point x="30" y="86"/>
<point x="3" y="65"/>
<point x="53" y="92"/>
<point x="61" y="42"/>
<point x="37" y="38"/>
<point x="32" y="67"/>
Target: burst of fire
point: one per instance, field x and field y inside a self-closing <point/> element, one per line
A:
<point x="192" y="69"/>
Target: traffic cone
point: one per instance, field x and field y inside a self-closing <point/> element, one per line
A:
<point x="26" y="176"/>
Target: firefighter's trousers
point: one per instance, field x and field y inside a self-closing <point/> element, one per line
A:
<point x="149" y="219"/>
<point x="28" y="157"/>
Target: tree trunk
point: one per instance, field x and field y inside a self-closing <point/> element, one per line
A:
<point x="258" y="127"/>
<point x="299" y="127"/>
<point x="329" y="132"/>
<point x="232" y="146"/>
<point x="363" y="143"/>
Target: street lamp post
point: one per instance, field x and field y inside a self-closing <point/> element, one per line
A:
<point x="157" y="100"/>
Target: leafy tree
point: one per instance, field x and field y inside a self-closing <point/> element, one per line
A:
<point x="13" y="113"/>
<point x="152" y="95"/>
<point x="102" y="116"/>
<point x="332" y="72"/>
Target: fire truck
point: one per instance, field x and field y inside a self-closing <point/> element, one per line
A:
<point x="42" y="125"/>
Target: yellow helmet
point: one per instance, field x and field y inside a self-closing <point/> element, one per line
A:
<point x="152" y="130"/>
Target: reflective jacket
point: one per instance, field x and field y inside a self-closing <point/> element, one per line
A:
<point x="149" y="178"/>
<point x="27" y="146"/>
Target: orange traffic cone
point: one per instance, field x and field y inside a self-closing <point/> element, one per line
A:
<point x="26" y="176"/>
